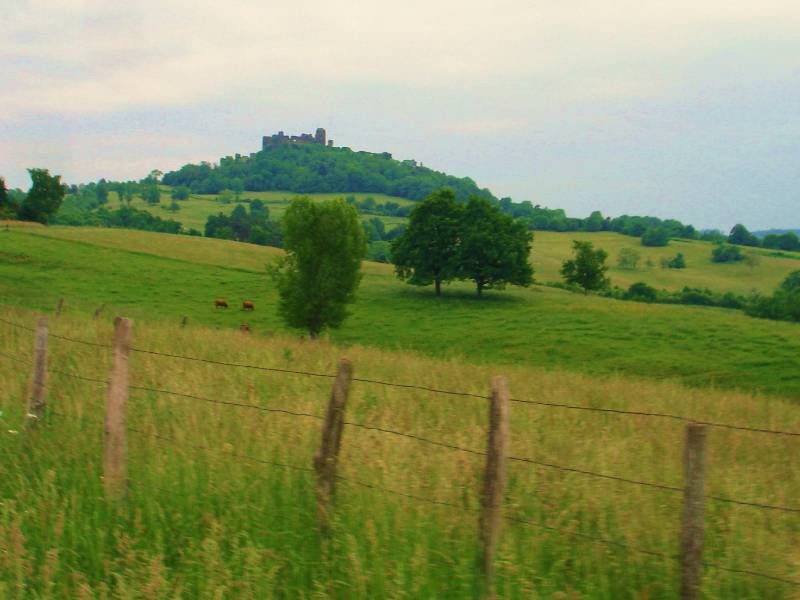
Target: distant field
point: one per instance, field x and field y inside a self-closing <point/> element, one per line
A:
<point x="195" y="211"/>
<point x="551" y="249"/>
<point x="163" y="277"/>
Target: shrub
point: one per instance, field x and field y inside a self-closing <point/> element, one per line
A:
<point x="726" y="253"/>
<point x="628" y="258"/>
<point x="641" y="292"/>
<point x="677" y="262"/>
<point x="655" y="236"/>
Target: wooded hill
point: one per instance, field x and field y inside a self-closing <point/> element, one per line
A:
<point x="311" y="168"/>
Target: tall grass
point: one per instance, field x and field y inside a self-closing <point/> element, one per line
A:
<point x="208" y="517"/>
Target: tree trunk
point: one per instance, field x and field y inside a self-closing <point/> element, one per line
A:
<point x="438" y="285"/>
<point x="479" y="287"/>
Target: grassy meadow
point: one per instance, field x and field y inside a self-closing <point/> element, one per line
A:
<point x="195" y="211"/>
<point x="209" y="516"/>
<point x="165" y="278"/>
<point x="763" y="273"/>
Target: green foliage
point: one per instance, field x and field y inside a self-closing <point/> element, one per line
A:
<point x="427" y="252"/>
<point x="320" y="273"/>
<point x="741" y="236"/>
<point x="254" y="227"/>
<point x="445" y="241"/>
<point x="125" y="217"/>
<point x="587" y="268"/>
<point x="792" y="282"/>
<point x="724" y="253"/>
<point x="151" y="193"/>
<point x="676" y="262"/>
<point x="312" y="168"/>
<point x="8" y="211"/>
<point x="628" y="258"/>
<point x="783" y="241"/>
<point x="493" y="249"/>
<point x="380" y="251"/>
<point x="180" y="192"/>
<point x="374" y="229"/>
<point x="656" y="236"/>
<point x="44" y="197"/>
<point x="641" y="292"/>
<point x="101" y="190"/>
<point x="783" y="305"/>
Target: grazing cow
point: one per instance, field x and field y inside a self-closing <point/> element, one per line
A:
<point x="248" y="305"/>
<point x="244" y="328"/>
<point x="220" y="303"/>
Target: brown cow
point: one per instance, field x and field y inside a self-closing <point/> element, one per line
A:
<point x="248" y="305"/>
<point x="220" y="303"/>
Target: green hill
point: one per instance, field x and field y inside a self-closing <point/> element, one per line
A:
<point x="310" y="168"/>
<point x="166" y="277"/>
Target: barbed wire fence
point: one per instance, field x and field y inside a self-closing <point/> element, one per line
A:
<point x="325" y="462"/>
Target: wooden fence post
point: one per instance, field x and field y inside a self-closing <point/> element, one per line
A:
<point x="59" y="306"/>
<point x="326" y="459"/>
<point x="494" y="479"/>
<point x="115" y="450"/>
<point x="693" y="509"/>
<point x="38" y="389"/>
<point x="99" y="311"/>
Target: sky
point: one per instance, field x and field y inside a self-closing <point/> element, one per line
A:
<point x="679" y="109"/>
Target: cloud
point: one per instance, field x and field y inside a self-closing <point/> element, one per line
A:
<point x="91" y="56"/>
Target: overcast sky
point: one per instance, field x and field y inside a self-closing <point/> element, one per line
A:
<point x="682" y="108"/>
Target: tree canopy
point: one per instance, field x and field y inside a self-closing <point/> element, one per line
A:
<point x="445" y="240"/>
<point x="309" y="168"/>
<point x="494" y="248"/>
<point x="587" y="268"/>
<point x="44" y="198"/>
<point x="428" y="249"/>
<point x="320" y="273"/>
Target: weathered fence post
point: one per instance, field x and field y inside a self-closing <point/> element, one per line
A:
<point x="37" y="397"/>
<point x="115" y="450"/>
<point x="693" y="509"/>
<point x="494" y="478"/>
<point x="99" y="311"/>
<point x="59" y="306"/>
<point x="327" y="457"/>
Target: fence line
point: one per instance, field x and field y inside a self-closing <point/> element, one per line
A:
<point x="422" y="439"/>
<point x="443" y="503"/>
<point x="616" y="411"/>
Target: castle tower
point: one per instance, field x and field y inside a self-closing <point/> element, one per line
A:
<point x="319" y="136"/>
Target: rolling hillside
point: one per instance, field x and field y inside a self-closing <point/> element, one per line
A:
<point x="164" y="277"/>
<point x="550" y="249"/>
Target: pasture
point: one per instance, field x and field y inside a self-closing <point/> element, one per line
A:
<point x="164" y="278"/>
<point x="195" y="211"/>
<point x="213" y="511"/>
<point x="762" y="274"/>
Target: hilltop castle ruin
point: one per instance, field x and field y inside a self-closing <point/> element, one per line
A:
<point x="276" y="139"/>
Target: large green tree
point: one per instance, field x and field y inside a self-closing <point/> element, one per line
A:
<point x="320" y="273"/>
<point x="741" y="236"/>
<point x="427" y="250"/>
<point x="587" y="267"/>
<point x="493" y="249"/>
<point x="44" y="197"/>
